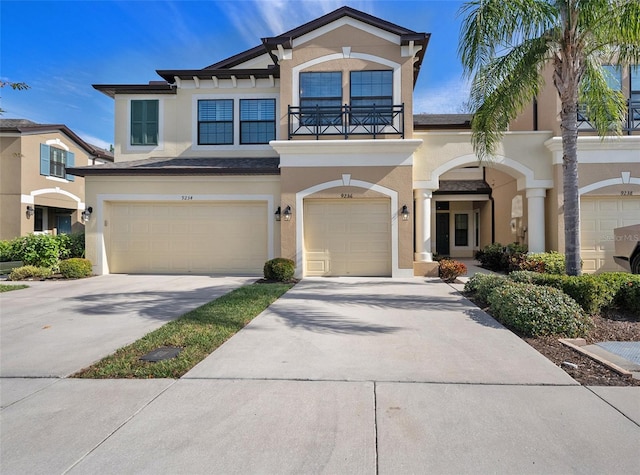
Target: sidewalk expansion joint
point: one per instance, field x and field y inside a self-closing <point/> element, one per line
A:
<point x="120" y="426"/>
<point x="611" y="405"/>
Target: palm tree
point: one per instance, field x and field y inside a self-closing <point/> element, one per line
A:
<point x="506" y="44"/>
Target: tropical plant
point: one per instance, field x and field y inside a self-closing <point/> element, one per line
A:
<point x="506" y="46"/>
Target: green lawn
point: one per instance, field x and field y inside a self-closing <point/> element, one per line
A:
<point x="198" y="333"/>
<point x="9" y="288"/>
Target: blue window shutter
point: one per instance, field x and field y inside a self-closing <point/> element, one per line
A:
<point x="44" y="160"/>
<point x="71" y="161"/>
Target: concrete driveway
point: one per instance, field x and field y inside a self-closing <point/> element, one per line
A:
<point x="338" y="376"/>
<point x="55" y="328"/>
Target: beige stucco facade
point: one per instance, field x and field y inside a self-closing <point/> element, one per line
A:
<point x="454" y="204"/>
<point x="50" y="198"/>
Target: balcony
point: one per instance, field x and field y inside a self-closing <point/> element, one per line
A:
<point x="631" y="125"/>
<point x="346" y="121"/>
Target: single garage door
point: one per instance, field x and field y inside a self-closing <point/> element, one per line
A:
<point x="195" y="237"/>
<point x="599" y="216"/>
<point x="347" y="237"/>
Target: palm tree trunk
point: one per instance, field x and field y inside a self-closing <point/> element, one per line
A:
<point x="569" y="126"/>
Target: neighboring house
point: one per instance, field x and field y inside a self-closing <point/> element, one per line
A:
<point x="37" y="194"/>
<point x="307" y="147"/>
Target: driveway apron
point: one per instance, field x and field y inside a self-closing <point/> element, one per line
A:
<point x="359" y="329"/>
<point x="55" y="328"/>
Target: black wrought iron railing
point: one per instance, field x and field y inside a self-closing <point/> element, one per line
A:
<point x="346" y="120"/>
<point x="632" y="122"/>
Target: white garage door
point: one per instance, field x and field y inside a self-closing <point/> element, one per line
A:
<point x="347" y="237"/>
<point x="196" y="237"/>
<point x="599" y="216"/>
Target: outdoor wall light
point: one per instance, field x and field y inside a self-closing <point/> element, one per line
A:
<point x="30" y="211"/>
<point x="86" y="214"/>
<point x="405" y="213"/>
<point x="287" y="213"/>
<point x="278" y="214"/>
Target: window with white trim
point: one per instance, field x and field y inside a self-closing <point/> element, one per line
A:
<point x="55" y="161"/>
<point x="321" y="98"/>
<point x="372" y="96"/>
<point x="215" y="122"/>
<point x="257" y="121"/>
<point x="145" y="117"/>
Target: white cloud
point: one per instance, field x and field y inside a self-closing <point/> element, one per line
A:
<point x="447" y="98"/>
<point x="260" y="18"/>
<point x="90" y="139"/>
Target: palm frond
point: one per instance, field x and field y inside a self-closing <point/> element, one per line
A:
<point x="605" y="107"/>
<point x="502" y="88"/>
<point x="491" y="26"/>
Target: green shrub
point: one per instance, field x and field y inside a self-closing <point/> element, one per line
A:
<point x="491" y="256"/>
<point x="30" y="272"/>
<point x="75" y="268"/>
<point x="450" y="269"/>
<point x="590" y="292"/>
<point x="9" y="251"/>
<point x="40" y="250"/>
<point x="279" y="269"/>
<point x="587" y="290"/>
<point x="624" y="286"/>
<point x="481" y="285"/>
<point x="536" y="310"/>
<point x="71" y="245"/>
<point x="628" y="296"/>
<point x="552" y="262"/>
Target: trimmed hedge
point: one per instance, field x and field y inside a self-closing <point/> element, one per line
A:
<point x="535" y="310"/>
<point x="30" y="272"/>
<point x="279" y="269"/>
<point x="593" y="292"/>
<point x="481" y="285"/>
<point x="42" y="250"/>
<point x="75" y="268"/>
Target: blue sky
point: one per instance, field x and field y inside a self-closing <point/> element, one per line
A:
<point x="61" y="48"/>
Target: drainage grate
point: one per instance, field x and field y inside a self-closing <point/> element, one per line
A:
<point x="162" y="353"/>
<point x="629" y="350"/>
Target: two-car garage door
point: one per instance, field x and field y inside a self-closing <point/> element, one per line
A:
<point x="347" y="237"/>
<point x="194" y="237"/>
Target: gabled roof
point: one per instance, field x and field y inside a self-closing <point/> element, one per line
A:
<point x="28" y="127"/>
<point x="286" y="37"/>
<point x="225" y="69"/>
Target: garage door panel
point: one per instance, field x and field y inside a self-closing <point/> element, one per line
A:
<point x="599" y="216"/>
<point x="347" y="237"/>
<point x="195" y="237"/>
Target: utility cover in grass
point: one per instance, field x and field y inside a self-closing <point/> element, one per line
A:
<point x="162" y="353"/>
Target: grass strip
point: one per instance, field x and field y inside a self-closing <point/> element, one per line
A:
<point x="198" y="333"/>
<point x="9" y="288"/>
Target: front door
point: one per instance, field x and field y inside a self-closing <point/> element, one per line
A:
<point x="442" y="234"/>
<point x="63" y="223"/>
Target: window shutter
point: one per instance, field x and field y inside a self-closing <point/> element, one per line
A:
<point x="44" y="160"/>
<point x="71" y="161"/>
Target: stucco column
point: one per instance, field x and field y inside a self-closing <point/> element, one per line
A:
<point x="423" y="225"/>
<point x="536" y="219"/>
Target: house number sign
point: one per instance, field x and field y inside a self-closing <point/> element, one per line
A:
<point x="187" y="197"/>
<point x="346" y="195"/>
<point x="626" y="193"/>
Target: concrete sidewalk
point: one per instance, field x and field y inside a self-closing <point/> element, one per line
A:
<point x="339" y="376"/>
